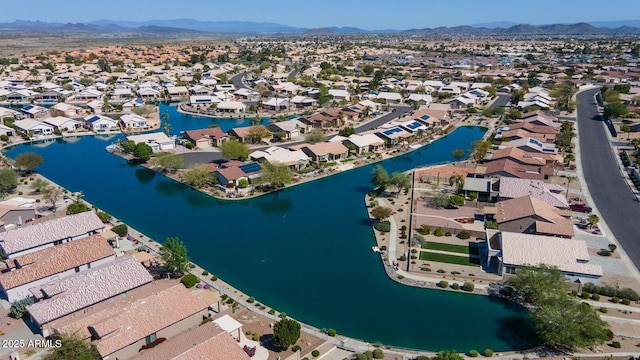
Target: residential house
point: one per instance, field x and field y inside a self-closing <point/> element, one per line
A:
<point x="524" y="157"/>
<point x="276" y="104"/>
<point x="295" y="160"/>
<point x="63" y="123"/>
<point x="158" y="141"/>
<point x="30" y="238"/>
<point x="509" y="168"/>
<point x="528" y="214"/>
<point x="321" y="120"/>
<point x="85" y="96"/>
<point x="508" y="251"/>
<point x="394" y="135"/>
<point x="121" y="93"/>
<point x="364" y="143"/>
<point x="208" y="341"/>
<point x="390" y="97"/>
<point x="231" y="107"/>
<point x="290" y="128"/>
<point x="11" y="216"/>
<point x="33" y="126"/>
<point x="57" y="262"/>
<point x="148" y="93"/>
<point x="412" y="126"/>
<point x="225" y="87"/>
<point x="177" y="92"/>
<point x="4" y="112"/>
<point x="133" y="122"/>
<point x="120" y="330"/>
<point x="231" y="172"/>
<point x="484" y="187"/>
<point x="20" y="96"/>
<point x="247" y="94"/>
<point x="513" y="188"/>
<point x="36" y="112"/>
<point x="67" y="297"/>
<point x="205" y="138"/>
<point x="339" y="95"/>
<point x="68" y="110"/>
<point x="326" y="151"/>
<point x="101" y="123"/>
<point x="531" y="145"/>
<point x="302" y="102"/>
<point x="248" y="134"/>
<point x="421" y="99"/>
<point x="5" y="130"/>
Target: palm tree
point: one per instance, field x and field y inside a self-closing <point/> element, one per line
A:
<point x="626" y="128"/>
<point x="458" y="181"/>
<point x="568" y="158"/>
<point x="165" y="123"/>
<point x="570" y="179"/>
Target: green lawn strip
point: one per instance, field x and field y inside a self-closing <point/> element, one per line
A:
<point x="462" y="249"/>
<point x="449" y="259"/>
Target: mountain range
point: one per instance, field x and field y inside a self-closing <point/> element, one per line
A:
<point x="191" y="26"/>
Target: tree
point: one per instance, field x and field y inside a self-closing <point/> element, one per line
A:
<point x="128" y="145"/>
<point x="627" y="129"/>
<point x="72" y="346"/>
<point x="592" y="220"/>
<point x="51" y="195"/>
<point x="456" y="200"/>
<point x="570" y="179"/>
<point x="29" y="161"/>
<point x="8" y="180"/>
<point x="457" y="180"/>
<point x="448" y="355"/>
<point x="440" y="200"/>
<point x="615" y="110"/>
<point x="480" y="149"/>
<point x="39" y="184"/>
<point x="286" y="332"/>
<point x="171" y="162"/>
<point x="257" y="133"/>
<point x="198" y="176"/>
<point x="166" y="127"/>
<point x="567" y="324"/>
<point x="19" y="307"/>
<point x="233" y="149"/>
<point x="347" y="131"/>
<point x="380" y="177"/>
<point x="473" y="196"/>
<point x="104" y="217"/>
<point x="174" y="256"/>
<point x="400" y="181"/>
<point x="142" y="151"/>
<point x="275" y="175"/>
<point x="381" y="212"/>
<point x="315" y="136"/>
<point x="458" y="154"/>
<point x="537" y="285"/>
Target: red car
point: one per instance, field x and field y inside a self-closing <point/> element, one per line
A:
<point x="580" y="208"/>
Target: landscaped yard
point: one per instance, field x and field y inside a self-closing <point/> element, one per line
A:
<point x="449" y="259"/>
<point x="462" y="249"/>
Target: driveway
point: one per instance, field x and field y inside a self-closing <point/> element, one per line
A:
<point x="609" y="191"/>
<point x="502" y="100"/>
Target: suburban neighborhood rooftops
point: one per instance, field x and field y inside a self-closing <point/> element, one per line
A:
<point x="213" y="133"/>
<point x="511" y="188"/>
<point x="325" y="148"/>
<point x="566" y="254"/>
<point x="208" y="341"/>
<point x="87" y="288"/>
<point x="31" y="236"/>
<point x="551" y="221"/>
<point x="53" y="260"/>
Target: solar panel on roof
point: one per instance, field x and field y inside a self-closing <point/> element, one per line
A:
<point x="28" y="107"/>
<point x="414" y="125"/>
<point x="391" y="131"/>
<point x="249" y="168"/>
<point x="94" y="118"/>
<point x="425" y="117"/>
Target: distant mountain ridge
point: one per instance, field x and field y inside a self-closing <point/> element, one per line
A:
<point x="182" y="26"/>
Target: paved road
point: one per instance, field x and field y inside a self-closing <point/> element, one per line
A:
<point x="502" y="100"/>
<point x="400" y="110"/>
<point x="609" y="190"/>
<point x="237" y="81"/>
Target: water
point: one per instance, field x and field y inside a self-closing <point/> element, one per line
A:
<point x="181" y="122"/>
<point x="304" y="250"/>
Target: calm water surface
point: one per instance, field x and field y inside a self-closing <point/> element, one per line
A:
<point x="304" y="251"/>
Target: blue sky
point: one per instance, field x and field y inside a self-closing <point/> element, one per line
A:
<point x="366" y="14"/>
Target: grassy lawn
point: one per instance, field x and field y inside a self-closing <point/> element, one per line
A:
<point x="449" y="259"/>
<point x="462" y="249"/>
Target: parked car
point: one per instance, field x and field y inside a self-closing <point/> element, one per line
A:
<point x="580" y="208"/>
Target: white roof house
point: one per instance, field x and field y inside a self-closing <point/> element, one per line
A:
<point x="33" y="126"/>
<point x="158" y="141"/>
<point x="278" y="155"/>
<point x="390" y="96"/>
<point x="63" y="123"/>
<point x="101" y="123"/>
<point x="339" y="94"/>
<point x="231" y="106"/>
<point x="133" y="121"/>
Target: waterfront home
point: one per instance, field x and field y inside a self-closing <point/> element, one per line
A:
<point x="63" y="123"/>
<point x="5" y="130"/>
<point x="231" y="172"/>
<point x="326" y="151"/>
<point x="291" y="128"/>
<point x="68" y="110"/>
<point x="511" y="188"/>
<point x="148" y="93"/>
<point x="35" y="111"/>
<point x="120" y="330"/>
<point x="364" y="143"/>
<point x="208" y="341"/>
<point x="40" y="267"/>
<point x="69" y="296"/>
<point x="100" y="123"/>
<point x="158" y="141"/>
<point x="33" y="126"/>
<point x="247" y="94"/>
<point x="205" y="138"/>
<point x="295" y="160"/>
<point x="394" y="135"/>
<point x="133" y="122"/>
<point x="30" y="238"/>
<point x="251" y="134"/>
<point x="412" y="126"/>
<point x="4" y="112"/>
<point x="231" y="107"/>
<point x="177" y="92"/>
<point x="20" y="96"/>
<point x="276" y="104"/>
<point x="528" y="214"/>
<point x="195" y="100"/>
<point x="302" y="102"/>
<point x="131" y="104"/>
<point x="507" y="251"/>
<point x="85" y="96"/>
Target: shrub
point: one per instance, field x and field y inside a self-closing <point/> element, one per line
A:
<point x="121" y="230"/>
<point x="443" y="284"/>
<point x="612" y="247"/>
<point x="585" y="295"/>
<point x="272" y="312"/>
<point x="440" y="271"/>
<point x="402" y="258"/>
<point x="315" y="353"/>
<point x="616" y="344"/>
<point x="424" y="230"/>
<point x="19" y="307"/>
<point x="214" y="278"/>
<point x="205" y="273"/>
<point x="296" y="348"/>
<point x="488" y="353"/>
<point x="463" y="235"/>
<point x="447" y="233"/>
<point x="251" y="300"/>
<point x="595" y="297"/>
<point x="189" y="145"/>
<point x="104" y="217"/>
<point x="4" y="137"/>
<point x="626" y="301"/>
<point x="474" y="353"/>
<point x="243" y="183"/>
<point x="603" y="310"/>
<point x="331" y="332"/>
<point x="468" y="286"/>
<point x="455" y="273"/>
<point x="615" y="299"/>
<point x="256" y="337"/>
<point x="189" y="280"/>
<point x="455" y="286"/>
<point x="378" y="354"/>
<point x="439" y="232"/>
<point x="383" y="226"/>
